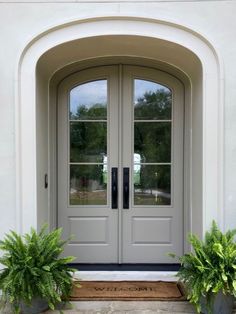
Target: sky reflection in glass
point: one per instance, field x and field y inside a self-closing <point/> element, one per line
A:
<point x="88" y="95"/>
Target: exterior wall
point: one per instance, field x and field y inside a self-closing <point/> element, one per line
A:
<point x="20" y="22"/>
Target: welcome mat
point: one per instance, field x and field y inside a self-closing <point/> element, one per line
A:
<point x="128" y="290"/>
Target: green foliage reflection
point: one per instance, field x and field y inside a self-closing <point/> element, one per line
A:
<point x="154" y="105"/>
<point x="94" y="112"/>
<point x="152" y="141"/>
<point x="88" y="141"/>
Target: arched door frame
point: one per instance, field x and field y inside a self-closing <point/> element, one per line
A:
<point x="212" y="106"/>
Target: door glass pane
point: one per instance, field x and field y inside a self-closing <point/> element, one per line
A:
<point x="152" y="101"/>
<point x="88" y="101"/>
<point x="152" y="184"/>
<point x="88" y="184"/>
<point x="88" y="141"/>
<point x="88" y="144"/>
<point x="152" y="141"/>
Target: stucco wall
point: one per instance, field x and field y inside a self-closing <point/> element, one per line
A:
<point x="20" y="22"/>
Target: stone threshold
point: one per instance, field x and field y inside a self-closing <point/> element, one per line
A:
<point x="129" y="307"/>
<point x="126" y="275"/>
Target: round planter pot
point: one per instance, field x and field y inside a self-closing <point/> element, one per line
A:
<point x="37" y="306"/>
<point x="220" y="304"/>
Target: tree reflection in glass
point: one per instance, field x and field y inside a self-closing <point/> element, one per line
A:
<point x="152" y="143"/>
<point x="152" y="185"/>
<point x="88" y="143"/>
<point x="152" y="101"/>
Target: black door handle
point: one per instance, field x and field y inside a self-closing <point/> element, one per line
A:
<point x="126" y="188"/>
<point x="114" y="188"/>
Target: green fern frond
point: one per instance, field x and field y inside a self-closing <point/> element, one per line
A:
<point x="33" y="267"/>
<point x="212" y="265"/>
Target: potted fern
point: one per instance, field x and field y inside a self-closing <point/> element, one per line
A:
<point x="34" y="277"/>
<point x="209" y="272"/>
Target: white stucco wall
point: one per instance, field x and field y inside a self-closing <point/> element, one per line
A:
<point x="20" y="22"/>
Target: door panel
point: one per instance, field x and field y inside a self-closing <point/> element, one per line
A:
<point x="159" y="230"/>
<point x="87" y="150"/>
<point x="120" y="165"/>
<point x="153" y="150"/>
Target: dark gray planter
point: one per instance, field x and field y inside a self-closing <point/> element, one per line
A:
<point x="220" y="304"/>
<point x="37" y="306"/>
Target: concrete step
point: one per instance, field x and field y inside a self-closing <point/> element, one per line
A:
<point x="129" y="307"/>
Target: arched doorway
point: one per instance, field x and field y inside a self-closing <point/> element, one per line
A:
<point x="67" y="49"/>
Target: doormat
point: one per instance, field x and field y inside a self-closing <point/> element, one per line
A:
<point x="128" y="290"/>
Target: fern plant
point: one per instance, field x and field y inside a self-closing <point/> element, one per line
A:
<point x="210" y="268"/>
<point x="33" y="268"/>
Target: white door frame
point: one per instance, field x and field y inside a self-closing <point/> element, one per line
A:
<point x="212" y="104"/>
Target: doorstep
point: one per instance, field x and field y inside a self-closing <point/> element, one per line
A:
<point x="129" y="307"/>
<point x="126" y="275"/>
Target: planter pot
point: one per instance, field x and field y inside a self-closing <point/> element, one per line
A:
<point x="220" y="304"/>
<point x="37" y="306"/>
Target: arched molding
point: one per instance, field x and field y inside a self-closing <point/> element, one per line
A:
<point x="212" y="105"/>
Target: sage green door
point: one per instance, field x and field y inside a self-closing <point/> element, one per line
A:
<point x="120" y="165"/>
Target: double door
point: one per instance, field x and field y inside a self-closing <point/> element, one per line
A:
<point x="120" y="165"/>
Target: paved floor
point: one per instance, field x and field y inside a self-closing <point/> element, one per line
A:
<point x="128" y="307"/>
<point x="125" y="307"/>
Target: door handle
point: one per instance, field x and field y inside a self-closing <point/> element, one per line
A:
<point x="126" y="188"/>
<point x="114" y="188"/>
